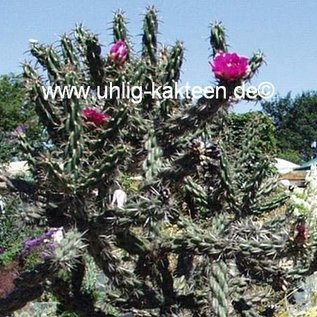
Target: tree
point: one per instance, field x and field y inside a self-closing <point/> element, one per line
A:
<point x="239" y="122"/>
<point x="296" y="125"/>
<point x="11" y="101"/>
<point x="14" y="117"/>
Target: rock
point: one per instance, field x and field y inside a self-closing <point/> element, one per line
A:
<point x="15" y="169"/>
<point x="305" y="298"/>
<point x="3" y="185"/>
<point x="119" y="198"/>
<point x="37" y="309"/>
<point x="2" y="205"/>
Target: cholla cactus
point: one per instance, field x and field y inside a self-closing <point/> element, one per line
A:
<point x="193" y="239"/>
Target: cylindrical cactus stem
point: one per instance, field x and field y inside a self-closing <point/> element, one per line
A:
<point x="54" y="64"/>
<point x="119" y="27"/>
<point x="150" y="29"/>
<point x="49" y="59"/>
<point x="90" y="50"/>
<point x="68" y="51"/>
<point x="94" y="60"/>
<point x="174" y="63"/>
<point x="80" y="34"/>
<point x="152" y="164"/>
<point x="43" y="107"/>
<point x="40" y="53"/>
<point x="219" y="288"/>
<point x="171" y="73"/>
<point x="255" y="63"/>
<point x="218" y="38"/>
<point x="73" y="127"/>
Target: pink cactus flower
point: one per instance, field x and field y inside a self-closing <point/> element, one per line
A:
<point x="230" y="66"/>
<point x="119" y="52"/>
<point x="95" y="116"/>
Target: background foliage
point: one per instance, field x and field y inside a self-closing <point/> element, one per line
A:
<point x="295" y="119"/>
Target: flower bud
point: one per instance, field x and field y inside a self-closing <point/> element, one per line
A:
<point x="119" y="52"/>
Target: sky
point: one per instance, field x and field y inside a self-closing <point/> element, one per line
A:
<point x="286" y="31"/>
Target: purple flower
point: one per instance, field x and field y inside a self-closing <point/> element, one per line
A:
<point x="30" y="245"/>
<point x="2" y="250"/>
<point x="19" y="130"/>
<point x="119" y="52"/>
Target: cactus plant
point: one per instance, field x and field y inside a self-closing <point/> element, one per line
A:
<point x="194" y="238"/>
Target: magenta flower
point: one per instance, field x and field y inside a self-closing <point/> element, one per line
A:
<point x="95" y="116"/>
<point x="119" y="52"/>
<point x="230" y="66"/>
